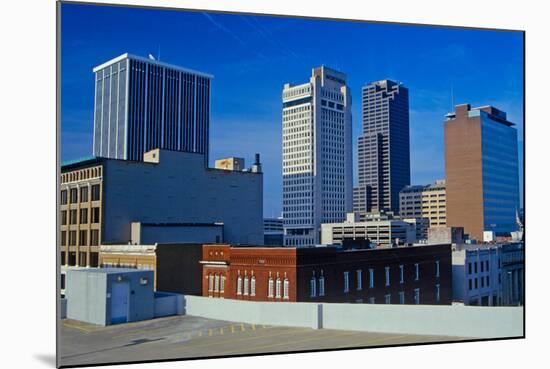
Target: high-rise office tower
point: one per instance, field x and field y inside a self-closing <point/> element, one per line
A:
<point x="383" y="148"/>
<point x="142" y="104"/>
<point x="317" y="160"/>
<point x="481" y="169"/>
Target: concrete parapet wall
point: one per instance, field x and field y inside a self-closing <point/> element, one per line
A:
<point x="457" y="321"/>
<point x="292" y="314"/>
<point x="453" y="321"/>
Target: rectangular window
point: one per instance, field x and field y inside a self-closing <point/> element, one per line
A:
<point x="401" y="297"/>
<point x="401" y="274"/>
<point x="64" y="197"/>
<point x="253" y="286"/>
<point x="469" y="268"/>
<point x="83" y="238"/>
<point x="499" y="279"/>
<point x="83" y="216"/>
<point x="475" y="266"/>
<point x="387" y="298"/>
<point x="84" y="194"/>
<point x="482" y="282"/>
<point x="95" y="192"/>
<point x="437" y="269"/>
<point x="371" y="278"/>
<point x="95" y="215"/>
<point x="437" y="296"/>
<point x="417" y="296"/>
<point x="387" y="276"/>
<point x="475" y="284"/>
<point x="286" y="285"/>
<point x="222" y="284"/>
<point x="64" y="239"/>
<point x="487" y="281"/>
<point x="481" y="266"/>
<point x="469" y="284"/>
<point x="72" y="238"/>
<point x="63" y="217"/>
<point x="74" y="195"/>
<point x="346" y="281"/>
<point x="359" y="280"/>
<point x="416" y="272"/>
<point x="487" y="265"/>
<point x="72" y="216"/>
<point x="94" y="237"/>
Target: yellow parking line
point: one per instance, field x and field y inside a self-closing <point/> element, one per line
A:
<point x="293" y="331"/>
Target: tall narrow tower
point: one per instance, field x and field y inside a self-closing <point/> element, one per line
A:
<point x="317" y="159"/>
<point x="142" y="104"/>
<point x="383" y="148"/>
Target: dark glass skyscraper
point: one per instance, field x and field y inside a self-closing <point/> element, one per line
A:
<point x="142" y="104"/>
<point x="383" y="148"/>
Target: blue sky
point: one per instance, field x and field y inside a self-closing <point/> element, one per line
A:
<point x="251" y="57"/>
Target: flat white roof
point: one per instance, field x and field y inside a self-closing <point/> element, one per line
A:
<point x="150" y="61"/>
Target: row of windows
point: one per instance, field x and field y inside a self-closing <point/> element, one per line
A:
<point x="371" y="282"/>
<point x="83" y="238"/>
<point x="484" y="266"/>
<point x="73" y="194"/>
<point x="83" y="216"/>
<point x="484" y="282"/>
<point x="81" y="175"/>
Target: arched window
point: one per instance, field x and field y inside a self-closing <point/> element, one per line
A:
<point x="239" y="284"/>
<point x="210" y="282"/>
<point x="321" y="285"/>
<point x="313" y="286"/>
<point x="270" y="286"/>
<point x="278" y="286"/>
<point x="286" y="285"/>
<point x="217" y="283"/>
<point x="245" y="284"/>
<point x="253" y="285"/>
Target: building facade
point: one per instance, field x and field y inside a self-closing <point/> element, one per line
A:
<point x="142" y="104"/>
<point x="402" y="275"/>
<point x="383" y="148"/>
<point x="317" y="160"/>
<point x="273" y="232"/>
<point x="425" y="202"/>
<point x="176" y="267"/>
<point x="481" y="168"/>
<point x="376" y="230"/>
<point x="488" y="275"/>
<point x="170" y="196"/>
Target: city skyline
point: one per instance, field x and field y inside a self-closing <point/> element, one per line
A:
<point x="259" y="57"/>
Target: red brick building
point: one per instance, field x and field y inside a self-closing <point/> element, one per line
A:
<point x="406" y="275"/>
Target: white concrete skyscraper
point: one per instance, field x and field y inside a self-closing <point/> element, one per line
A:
<point x="317" y="158"/>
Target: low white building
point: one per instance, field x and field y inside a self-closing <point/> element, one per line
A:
<point x="378" y="230"/>
<point x="481" y="275"/>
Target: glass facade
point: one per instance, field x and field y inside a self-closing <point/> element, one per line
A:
<point x="141" y="105"/>
<point x="500" y="175"/>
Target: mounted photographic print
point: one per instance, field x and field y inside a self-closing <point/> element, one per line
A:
<point x="243" y="184"/>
